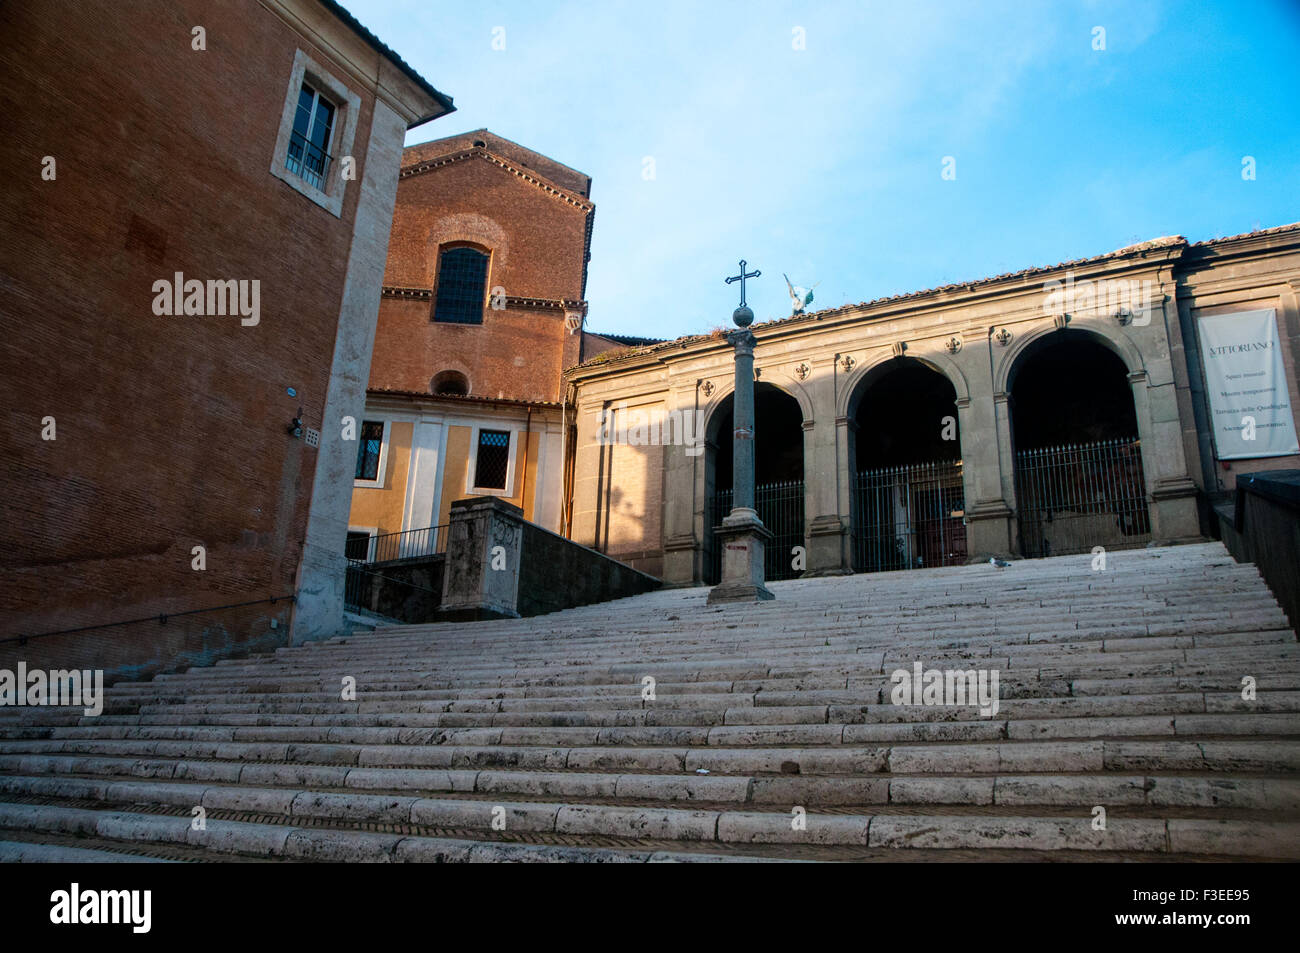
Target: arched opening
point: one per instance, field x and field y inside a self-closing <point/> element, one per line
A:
<point x="450" y="383"/>
<point x="1078" y="459"/>
<point x="908" y="503"/>
<point x="778" y="477"/>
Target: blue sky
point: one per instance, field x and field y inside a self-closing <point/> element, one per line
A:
<point x="826" y="162"/>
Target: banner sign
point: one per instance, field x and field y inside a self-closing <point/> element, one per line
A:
<point x="1250" y="406"/>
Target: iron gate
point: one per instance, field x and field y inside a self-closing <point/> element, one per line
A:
<point x="780" y="506"/>
<point x="1076" y="496"/>
<point x="909" y="517"/>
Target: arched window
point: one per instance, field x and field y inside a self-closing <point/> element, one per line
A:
<point x="462" y="285"/>
<point x="450" y="382"/>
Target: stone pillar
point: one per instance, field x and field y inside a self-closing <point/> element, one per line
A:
<point x="1174" y="516"/>
<point x="480" y="581"/>
<point x="318" y="612"/>
<point x="829" y="541"/>
<point x="742" y="480"/>
<point x="682" y="466"/>
<point x="988" y="472"/>
<point x="742" y="535"/>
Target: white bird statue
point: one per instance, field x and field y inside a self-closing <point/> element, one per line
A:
<point x="800" y="298"/>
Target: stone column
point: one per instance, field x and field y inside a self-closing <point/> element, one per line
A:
<point x="742" y="535"/>
<point x="480" y="579"/>
<point x="318" y="612"/>
<point x="827" y="462"/>
<point x="1174" y="517"/>
<point x="988" y="471"/>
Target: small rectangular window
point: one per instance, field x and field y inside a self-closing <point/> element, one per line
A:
<point x="493" y="459"/>
<point x="357" y="546"/>
<point x="372" y="442"/>
<point x="309" y="142"/>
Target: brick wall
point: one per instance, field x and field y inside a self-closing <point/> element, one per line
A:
<point x="171" y="431"/>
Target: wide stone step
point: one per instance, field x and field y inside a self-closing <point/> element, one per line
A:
<point x="1245" y="838"/>
<point x="19" y="852"/>
<point x="783" y="726"/>
<point x="95" y="779"/>
<point x="757" y="757"/>
<point x="1023" y="708"/>
<point x="315" y="845"/>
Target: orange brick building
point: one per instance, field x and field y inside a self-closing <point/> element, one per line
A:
<point x="483" y="308"/>
<point x="192" y="236"/>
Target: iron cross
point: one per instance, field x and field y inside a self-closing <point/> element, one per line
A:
<point x="741" y="278"/>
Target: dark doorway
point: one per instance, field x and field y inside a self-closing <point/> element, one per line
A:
<point x="908" y="503"/>
<point x="778" y="477"/>
<point x="1071" y="389"/>
<point x="1078" y="459"/>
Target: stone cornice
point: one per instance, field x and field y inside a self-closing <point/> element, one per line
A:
<point x="513" y="302"/>
<point x="478" y="152"/>
<point x="359" y="59"/>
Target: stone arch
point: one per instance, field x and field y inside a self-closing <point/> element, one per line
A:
<point x="1079" y="461"/>
<point x="467" y="229"/>
<point x="787" y="384"/>
<point x="1027" y="342"/>
<point x="851" y="390"/>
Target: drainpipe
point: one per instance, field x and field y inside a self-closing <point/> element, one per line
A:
<point x="564" y="457"/>
<point x="699" y="435"/>
<point x="523" y="493"/>
<point x="835" y="410"/>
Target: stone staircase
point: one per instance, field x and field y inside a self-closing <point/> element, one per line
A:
<point x="770" y="735"/>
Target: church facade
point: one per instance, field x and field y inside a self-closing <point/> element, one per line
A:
<point x="483" y="307"/>
<point x="1050" y="411"/>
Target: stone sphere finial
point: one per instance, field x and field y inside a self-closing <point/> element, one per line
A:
<point x="743" y="316"/>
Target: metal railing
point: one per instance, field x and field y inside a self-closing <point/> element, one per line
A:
<point x="409" y="544"/>
<point x="909" y="517"/>
<point x="780" y="506"/>
<point x="355" y="586"/>
<point x="308" y="160"/>
<point x="1076" y="496"/>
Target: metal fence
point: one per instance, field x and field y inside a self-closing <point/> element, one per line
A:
<point x="909" y="517"/>
<point x="780" y="506"/>
<point x="405" y="545"/>
<point x="1076" y="496"/>
<point x="355" y="585"/>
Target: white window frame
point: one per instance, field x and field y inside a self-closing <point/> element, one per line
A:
<point x="372" y="532"/>
<point x="378" y="482"/>
<point x="471" y="474"/>
<point x="347" y="106"/>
